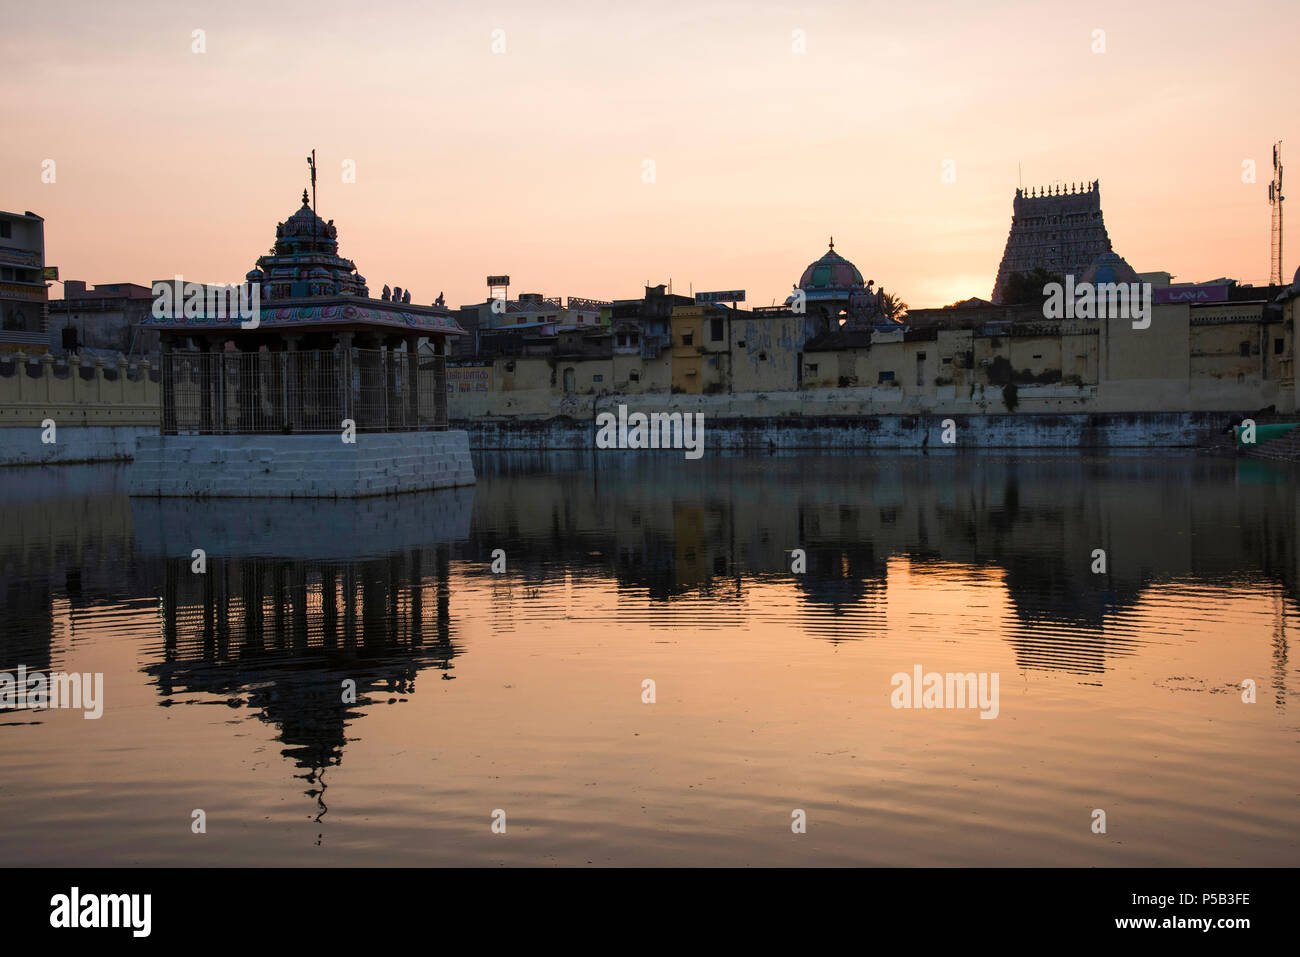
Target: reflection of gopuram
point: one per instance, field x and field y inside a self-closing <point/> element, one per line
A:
<point x="283" y="634"/>
<point x="726" y="526"/>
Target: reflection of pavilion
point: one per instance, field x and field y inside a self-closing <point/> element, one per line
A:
<point x="283" y="632"/>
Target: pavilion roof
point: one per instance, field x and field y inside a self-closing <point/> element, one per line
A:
<point x="320" y="312"/>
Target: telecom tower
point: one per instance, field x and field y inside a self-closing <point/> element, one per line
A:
<point x="1275" y="198"/>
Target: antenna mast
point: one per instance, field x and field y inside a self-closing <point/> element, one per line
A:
<point x="1275" y="198"/>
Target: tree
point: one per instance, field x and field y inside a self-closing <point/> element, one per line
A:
<point x="892" y="306"/>
<point x="1026" y="287"/>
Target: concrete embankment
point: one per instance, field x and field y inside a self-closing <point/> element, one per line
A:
<point x="64" y="445"/>
<point x="1117" y="430"/>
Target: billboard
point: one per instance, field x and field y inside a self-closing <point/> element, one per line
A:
<point x="1217" y="292"/>
<point x="732" y="295"/>
<point x="469" y="379"/>
<point x="498" y="280"/>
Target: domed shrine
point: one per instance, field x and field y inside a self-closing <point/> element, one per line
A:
<point x="1110" y="267"/>
<point x="835" y="295"/>
<point x="309" y="362"/>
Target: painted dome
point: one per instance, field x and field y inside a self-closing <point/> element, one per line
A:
<point x="1110" y="267"/>
<point x="305" y="260"/>
<point x="832" y="271"/>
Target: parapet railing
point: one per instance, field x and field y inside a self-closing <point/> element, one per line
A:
<point x="77" y="391"/>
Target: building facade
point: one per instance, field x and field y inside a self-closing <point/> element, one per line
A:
<point x="23" y="293"/>
<point x="102" y="318"/>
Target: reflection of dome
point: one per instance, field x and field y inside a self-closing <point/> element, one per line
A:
<point x="1110" y="267"/>
<point x="832" y="271"/>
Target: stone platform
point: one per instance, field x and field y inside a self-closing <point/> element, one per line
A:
<point x="298" y="466"/>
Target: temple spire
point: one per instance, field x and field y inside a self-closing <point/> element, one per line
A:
<point x="832" y="242"/>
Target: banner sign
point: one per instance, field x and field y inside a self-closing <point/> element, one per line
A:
<point x="469" y="379"/>
<point x="733" y="295"/>
<point x="1180" y="294"/>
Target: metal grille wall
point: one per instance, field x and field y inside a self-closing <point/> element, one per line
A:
<point x="308" y="391"/>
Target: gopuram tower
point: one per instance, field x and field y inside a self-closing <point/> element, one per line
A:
<point x="1059" y="229"/>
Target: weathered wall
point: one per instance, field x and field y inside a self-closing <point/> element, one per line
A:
<point x="25" y="445"/>
<point x="98" y="410"/>
<point x="765" y="352"/>
<point x="1086" y="431"/>
<point x="299" y="466"/>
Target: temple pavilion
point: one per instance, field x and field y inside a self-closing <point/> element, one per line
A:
<point x="318" y="390"/>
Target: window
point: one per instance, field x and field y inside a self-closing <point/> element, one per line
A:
<point x="886" y="376"/>
<point x="1245" y="348"/>
<point x="741" y="343"/>
<point x="635" y="376"/>
<point x="812" y="368"/>
<point x="715" y="330"/>
<point x="4" y="231"/>
<point x="1279" y="345"/>
<point x="688" y="338"/>
<point x="946" y="360"/>
<point x="598" y="378"/>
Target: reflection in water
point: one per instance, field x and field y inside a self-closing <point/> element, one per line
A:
<point x="307" y="644"/>
<point x="623" y="565"/>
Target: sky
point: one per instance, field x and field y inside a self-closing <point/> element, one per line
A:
<point x="585" y="148"/>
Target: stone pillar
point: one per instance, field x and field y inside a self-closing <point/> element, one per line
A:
<point x="206" y="360"/>
<point x="439" y="382"/>
<point x="292" y="384"/>
<point x="393" y="405"/>
<point x="346" y="403"/>
<point x="413" y="382"/>
<point x="167" y="383"/>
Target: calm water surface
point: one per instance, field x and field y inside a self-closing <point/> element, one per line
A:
<point x="522" y="691"/>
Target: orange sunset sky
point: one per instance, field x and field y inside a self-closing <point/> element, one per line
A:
<point x="530" y="161"/>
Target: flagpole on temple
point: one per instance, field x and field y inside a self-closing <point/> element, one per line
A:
<point x="311" y="162"/>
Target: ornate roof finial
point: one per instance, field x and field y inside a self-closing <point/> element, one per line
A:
<point x="832" y="242"/>
<point x="304" y="198"/>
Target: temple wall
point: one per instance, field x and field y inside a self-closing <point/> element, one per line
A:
<point x="97" y="410"/>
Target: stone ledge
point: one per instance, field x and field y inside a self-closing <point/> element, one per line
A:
<point x="298" y="466"/>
